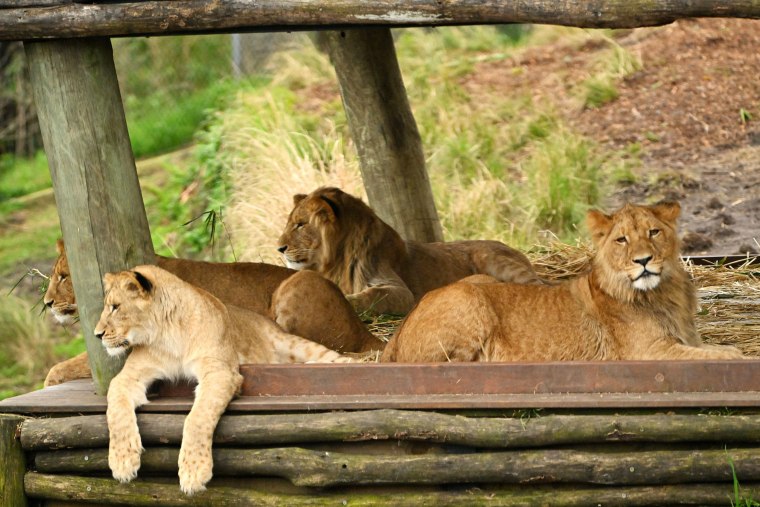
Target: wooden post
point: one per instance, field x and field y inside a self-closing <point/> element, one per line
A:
<point x="93" y="170"/>
<point x="384" y="131"/>
<point x="12" y="465"/>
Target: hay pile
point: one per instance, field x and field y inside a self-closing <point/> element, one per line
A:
<point x="729" y="296"/>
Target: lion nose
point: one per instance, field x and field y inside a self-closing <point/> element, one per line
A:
<point x="282" y="248"/>
<point x="49" y="303"/>
<point x="99" y="334"/>
<point x="643" y="260"/>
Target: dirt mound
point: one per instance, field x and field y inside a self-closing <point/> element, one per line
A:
<point x="693" y="108"/>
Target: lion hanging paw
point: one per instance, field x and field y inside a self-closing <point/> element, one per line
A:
<point x="124" y="452"/>
<point x="195" y="467"/>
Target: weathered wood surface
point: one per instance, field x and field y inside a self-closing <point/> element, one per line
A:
<point x="147" y="493"/>
<point x="382" y="126"/>
<point x="12" y="463"/>
<point x="93" y="171"/>
<point x="155" y="17"/>
<point x="310" y="468"/>
<point x="496" y="432"/>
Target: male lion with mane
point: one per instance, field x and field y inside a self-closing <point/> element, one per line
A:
<point x="304" y="304"/>
<point x="176" y="330"/>
<point x="337" y="235"/>
<point x="636" y="303"/>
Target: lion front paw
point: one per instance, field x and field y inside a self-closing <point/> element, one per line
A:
<point x="195" y="470"/>
<point x="124" y="456"/>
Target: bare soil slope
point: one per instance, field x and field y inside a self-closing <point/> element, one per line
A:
<point x="684" y="108"/>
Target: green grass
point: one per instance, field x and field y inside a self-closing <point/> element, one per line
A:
<point x="170" y="124"/>
<point x="20" y="176"/>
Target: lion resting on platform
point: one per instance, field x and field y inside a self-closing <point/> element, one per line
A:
<point x="176" y="330"/>
<point x="636" y="303"/>
<point x="304" y="304"/>
<point x="339" y="236"/>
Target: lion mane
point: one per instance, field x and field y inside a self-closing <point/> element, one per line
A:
<point x="337" y="235"/>
<point x="636" y="303"/>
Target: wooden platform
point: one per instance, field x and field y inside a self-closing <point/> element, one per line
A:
<point x="446" y="386"/>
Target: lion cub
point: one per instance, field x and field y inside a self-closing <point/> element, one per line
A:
<point x="637" y="302"/>
<point x="176" y="330"/>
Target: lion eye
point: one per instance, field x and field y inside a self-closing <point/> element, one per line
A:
<point x="61" y="277"/>
<point x="621" y="240"/>
<point x="654" y="232"/>
<point x="114" y="308"/>
<point x="299" y="225"/>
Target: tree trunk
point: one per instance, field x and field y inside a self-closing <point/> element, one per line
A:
<point x="65" y="19"/>
<point x="93" y="171"/>
<point x="384" y="131"/>
<point x="552" y="430"/>
<point x="305" y="467"/>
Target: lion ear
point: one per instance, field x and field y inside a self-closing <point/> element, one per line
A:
<point x="144" y="285"/>
<point x="59" y="247"/>
<point x="667" y="211"/>
<point x="598" y="224"/>
<point x="330" y="208"/>
<point x="298" y="198"/>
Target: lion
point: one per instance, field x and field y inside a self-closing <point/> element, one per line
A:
<point x="176" y="330"/>
<point x="340" y="237"/>
<point x="636" y="303"/>
<point x="303" y="303"/>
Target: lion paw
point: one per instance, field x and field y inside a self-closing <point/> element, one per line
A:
<point x="195" y="470"/>
<point x="124" y="456"/>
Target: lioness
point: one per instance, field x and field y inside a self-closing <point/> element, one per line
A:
<point x="339" y="236"/>
<point x="303" y="304"/>
<point x="175" y="330"/>
<point x="637" y="302"/>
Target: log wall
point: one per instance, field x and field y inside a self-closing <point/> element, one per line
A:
<point x="391" y="457"/>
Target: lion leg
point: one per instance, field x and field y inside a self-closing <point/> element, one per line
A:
<point x="125" y="394"/>
<point x="453" y="323"/>
<point x="71" y="369"/>
<point x="680" y="351"/>
<point x="218" y="382"/>
<point x="308" y="305"/>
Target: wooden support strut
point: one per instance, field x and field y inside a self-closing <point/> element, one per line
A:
<point x="93" y="171"/>
<point x="384" y="131"/>
<point x="12" y="465"/>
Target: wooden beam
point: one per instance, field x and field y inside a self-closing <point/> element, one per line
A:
<point x="150" y="493"/>
<point x="384" y="131"/>
<point x="95" y="182"/>
<point x="157" y="17"/>
<point x="310" y="468"/>
<point x="372" y="425"/>
<point x="12" y="463"/>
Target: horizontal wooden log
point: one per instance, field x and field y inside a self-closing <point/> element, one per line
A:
<point x="148" y="493"/>
<point x="158" y="429"/>
<point x="305" y="467"/>
<point x="156" y="17"/>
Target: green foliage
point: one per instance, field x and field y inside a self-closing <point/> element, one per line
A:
<point x="19" y="176"/>
<point x="171" y="125"/>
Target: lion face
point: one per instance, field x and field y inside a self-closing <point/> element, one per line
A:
<point x="59" y="296"/>
<point x="123" y="322"/>
<point x="302" y="242"/>
<point x="637" y="247"/>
